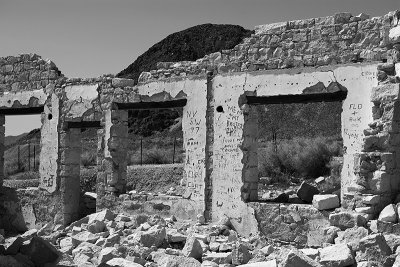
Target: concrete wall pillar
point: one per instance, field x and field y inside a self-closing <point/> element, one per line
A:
<point x="69" y="171"/>
<point x="2" y="148"/>
<point x="114" y="163"/>
<point x="250" y="154"/>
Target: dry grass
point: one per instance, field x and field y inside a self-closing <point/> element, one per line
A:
<point x="299" y="157"/>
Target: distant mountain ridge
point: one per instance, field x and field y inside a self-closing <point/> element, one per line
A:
<point x="187" y="45"/>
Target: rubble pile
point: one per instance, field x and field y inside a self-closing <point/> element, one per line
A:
<point x="106" y="239"/>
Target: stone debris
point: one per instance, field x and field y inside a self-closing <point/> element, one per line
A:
<point x="155" y="243"/>
<point x="388" y="214"/>
<point x="325" y="202"/>
<point x="306" y="192"/>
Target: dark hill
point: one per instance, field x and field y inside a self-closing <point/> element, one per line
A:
<point x="187" y="45"/>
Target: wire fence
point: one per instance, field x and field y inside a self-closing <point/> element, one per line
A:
<point x="165" y="150"/>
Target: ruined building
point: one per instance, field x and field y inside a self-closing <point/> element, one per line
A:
<point x="354" y="59"/>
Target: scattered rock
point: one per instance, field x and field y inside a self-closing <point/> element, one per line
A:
<point x="336" y="256"/>
<point x="192" y="248"/>
<point x="325" y="202"/>
<point x="373" y="248"/>
<point x="345" y="220"/>
<point x="306" y="192"/>
<point x="388" y="214"/>
<point x="297" y="259"/>
<point x="352" y="237"/>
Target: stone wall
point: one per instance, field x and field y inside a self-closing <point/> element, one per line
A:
<point x="331" y="40"/>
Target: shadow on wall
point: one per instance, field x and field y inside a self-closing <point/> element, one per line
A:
<point x="11" y="218"/>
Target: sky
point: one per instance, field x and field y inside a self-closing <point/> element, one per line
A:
<point x="88" y="38"/>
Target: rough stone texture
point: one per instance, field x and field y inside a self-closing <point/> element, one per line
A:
<point x="336" y="256"/>
<point x="325" y="202"/>
<point x="298" y="259"/>
<point x="351" y="237"/>
<point x="345" y="220"/>
<point x="388" y="214"/>
<point x="292" y="223"/>
<point x="373" y="248"/>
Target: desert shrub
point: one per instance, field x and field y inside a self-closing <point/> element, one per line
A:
<point x="88" y="178"/>
<point x="88" y="158"/>
<point x="299" y="157"/>
<point x="155" y="156"/>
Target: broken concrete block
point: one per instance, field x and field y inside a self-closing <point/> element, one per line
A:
<point x="336" y="256"/>
<point x="351" y="237"/>
<point x="107" y="254"/>
<point x="326" y="202"/>
<point x="373" y="248"/>
<point x="345" y="220"/>
<point x="240" y="254"/>
<point x="152" y="237"/>
<point x="192" y="248"/>
<point x="101" y="216"/>
<point x="388" y="214"/>
<point x="306" y="192"/>
<point x="296" y="258"/>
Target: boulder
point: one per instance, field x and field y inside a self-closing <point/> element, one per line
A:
<point x="325" y="202"/>
<point x="338" y="255"/>
<point x="345" y="220"/>
<point x="296" y="258"/>
<point x="373" y="248"/>
<point x="192" y="248"/>
<point x="306" y="192"/>
<point x="388" y="214"/>
<point x="120" y="262"/>
<point x="330" y="233"/>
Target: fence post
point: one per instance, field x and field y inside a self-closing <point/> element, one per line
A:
<point x="34" y="157"/>
<point x="29" y="156"/>
<point x="173" y="156"/>
<point x="19" y="163"/>
<point x="141" y="151"/>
